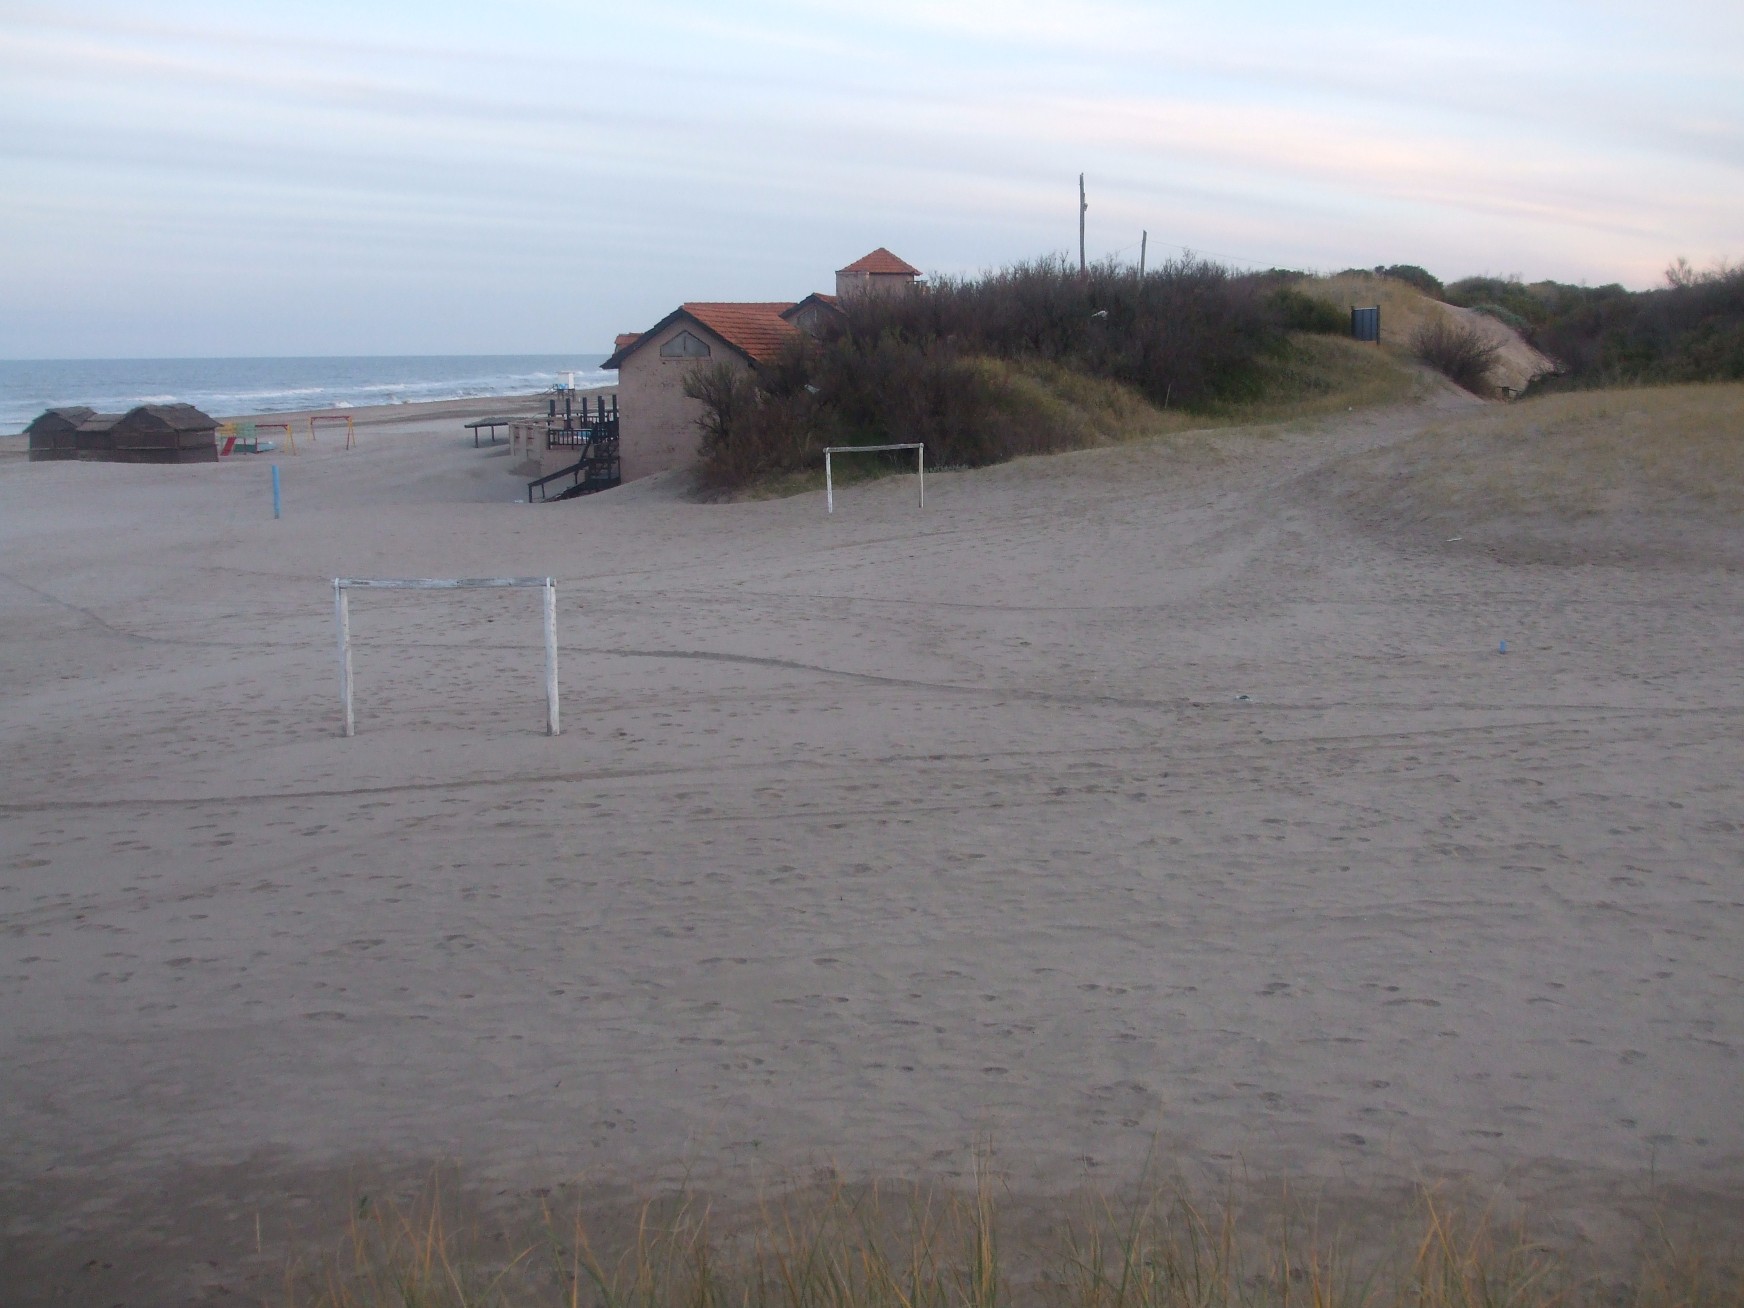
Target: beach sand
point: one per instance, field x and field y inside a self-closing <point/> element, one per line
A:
<point x="1124" y="801"/>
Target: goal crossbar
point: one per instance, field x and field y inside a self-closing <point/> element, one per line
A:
<point x="919" y="447"/>
<point x="342" y="622"/>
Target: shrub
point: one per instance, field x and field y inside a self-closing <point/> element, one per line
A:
<point x="1456" y="349"/>
<point x="1412" y="275"/>
<point x="1187" y="334"/>
<point x="1505" y="316"/>
<point x="1691" y="330"/>
<point x="749" y="429"/>
<point x="931" y="366"/>
<point x="1300" y="312"/>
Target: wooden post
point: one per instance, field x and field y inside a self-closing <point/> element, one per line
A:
<point x="551" y="720"/>
<point x="342" y="619"/>
<point x="921" y="450"/>
<point x="1143" y="240"/>
<point x="1083" y="208"/>
<point x="829" y="486"/>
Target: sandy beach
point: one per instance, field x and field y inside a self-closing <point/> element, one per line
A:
<point x="1123" y="801"/>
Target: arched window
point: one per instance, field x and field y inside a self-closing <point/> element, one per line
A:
<point x="684" y="346"/>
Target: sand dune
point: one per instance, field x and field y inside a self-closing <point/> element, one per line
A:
<point x="1115" y="799"/>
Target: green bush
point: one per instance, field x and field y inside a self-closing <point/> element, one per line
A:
<point x="1688" y="331"/>
<point x="1412" y="275"/>
<point x="1502" y="315"/>
<point x="1532" y="305"/>
<point x="927" y="367"/>
<point x="1300" y="312"/>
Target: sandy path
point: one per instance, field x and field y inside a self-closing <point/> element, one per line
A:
<point x="1114" y="798"/>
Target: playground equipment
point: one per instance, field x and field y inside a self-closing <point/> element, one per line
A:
<point x="244" y="437"/>
<point x="350" y="431"/>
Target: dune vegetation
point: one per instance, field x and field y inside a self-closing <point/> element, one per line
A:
<point x="835" y="1246"/>
<point x="1689" y="330"/>
<point x="1630" y="471"/>
<point x="1034" y="360"/>
<point x="1677" y="449"/>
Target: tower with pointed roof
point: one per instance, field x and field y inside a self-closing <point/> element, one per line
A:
<point x="878" y="273"/>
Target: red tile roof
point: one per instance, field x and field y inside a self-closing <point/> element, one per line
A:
<point x="757" y="329"/>
<point x="625" y="338"/>
<point x="881" y="262"/>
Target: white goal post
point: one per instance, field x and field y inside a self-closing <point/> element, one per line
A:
<point x="919" y="447"/>
<point x="342" y="620"/>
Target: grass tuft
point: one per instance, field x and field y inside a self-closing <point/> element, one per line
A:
<point x="836" y="1246"/>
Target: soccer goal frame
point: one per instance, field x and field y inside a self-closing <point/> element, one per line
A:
<point x="342" y="623"/>
<point x="919" y="447"/>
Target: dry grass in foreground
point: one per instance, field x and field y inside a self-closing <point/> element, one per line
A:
<point x="1675" y="452"/>
<point x="842" y="1248"/>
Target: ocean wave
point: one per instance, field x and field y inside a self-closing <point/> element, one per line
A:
<point x="232" y="387"/>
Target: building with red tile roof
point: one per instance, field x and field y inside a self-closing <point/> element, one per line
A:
<point x="882" y="263"/>
<point x="878" y="273"/>
<point x="658" y="424"/>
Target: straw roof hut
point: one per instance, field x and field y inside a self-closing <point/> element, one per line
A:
<point x="95" y="437"/>
<point x="165" y="433"/>
<point x="52" y="434"/>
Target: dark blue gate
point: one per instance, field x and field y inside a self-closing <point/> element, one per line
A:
<point x="1365" y="324"/>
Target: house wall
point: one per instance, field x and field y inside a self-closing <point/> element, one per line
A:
<point x="849" y="284"/>
<point x="657" y="422"/>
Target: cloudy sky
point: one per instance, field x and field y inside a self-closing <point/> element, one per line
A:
<point x="379" y="177"/>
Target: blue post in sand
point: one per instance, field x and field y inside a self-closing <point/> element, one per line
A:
<point x="275" y="469"/>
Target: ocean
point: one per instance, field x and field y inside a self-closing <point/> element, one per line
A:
<point x="228" y="387"/>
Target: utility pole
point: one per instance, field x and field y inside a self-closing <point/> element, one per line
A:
<point x="1083" y="208"/>
<point x="1143" y="240"/>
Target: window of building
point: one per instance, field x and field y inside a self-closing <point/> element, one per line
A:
<point x="684" y="346"/>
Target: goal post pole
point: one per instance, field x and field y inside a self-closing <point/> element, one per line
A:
<point x="342" y="621"/>
<point x="919" y="447"/>
<point x="552" y="724"/>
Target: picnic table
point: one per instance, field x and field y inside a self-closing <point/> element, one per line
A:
<point x="492" y="423"/>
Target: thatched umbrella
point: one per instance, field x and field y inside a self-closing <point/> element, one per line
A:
<point x="165" y="433"/>
<point x="52" y="434"/>
<point x="95" y="437"/>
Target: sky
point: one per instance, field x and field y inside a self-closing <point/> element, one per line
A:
<point x="378" y="177"/>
